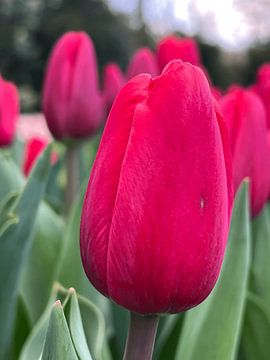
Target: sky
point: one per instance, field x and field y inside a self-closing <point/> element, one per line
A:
<point x="233" y="24"/>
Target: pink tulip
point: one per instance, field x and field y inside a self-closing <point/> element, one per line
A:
<point x="245" y="116"/>
<point x="175" y="47"/>
<point x="113" y="80"/>
<point x="263" y="88"/>
<point x="143" y="62"/>
<point x="9" y="111"/>
<point x="72" y="102"/>
<point x="156" y="213"/>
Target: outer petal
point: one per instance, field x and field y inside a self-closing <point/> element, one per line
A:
<point x="143" y="61"/>
<point x="103" y="184"/>
<point x="9" y="111"/>
<point x="245" y="117"/>
<point x="174" y="47"/>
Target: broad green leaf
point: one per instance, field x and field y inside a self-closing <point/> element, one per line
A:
<point x="40" y="271"/>
<point x="35" y="285"/>
<point x="95" y="330"/>
<point x="7" y="218"/>
<point x="211" y="331"/>
<point x="58" y="344"/>
<point x="21" y="329"/>
<point x="70" y="271"/>
<point x="75" y="307"/>
<point x="76" y="328"/>
<point x="15" y="244"/>
<point x="255" y="342"/>
<point x="260" y="269"/>
<point x="169" y="330"/>
<point x="34" y="344"/>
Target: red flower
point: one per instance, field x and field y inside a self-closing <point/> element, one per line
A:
<point x="174" y="47"/>
<point x="71" y="101"/>
<point x="156" y="213"/>
<point x="9" y="111"/>
<point x="113" y="80"/>
<point x="262" y="88"/>
<point x="33" y="149"/>
<point x="245" y="117"/>
<point x="143" y="62"/>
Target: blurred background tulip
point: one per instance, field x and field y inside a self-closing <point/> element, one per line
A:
<point x="142" y="62"/>
<point x="245" y="117"/>
<point x="262" y="88"/>
<point x="113" y="80"/>
<point x="160" y="133"/>
<point x="72" y="102"/>
<point x="9" y="111"/>
<point x="33" y="148"/>
<point x="175" y="47"/>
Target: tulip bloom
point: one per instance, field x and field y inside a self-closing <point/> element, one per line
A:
<point x="72" y="102"/>
<point x="156" y="213"/>
<point x="143" y="61"/>
<point x="262" y="88"/>
<point x="245" y="117"/>
<point x="113" y="80"/>
<point x="9" y="111"/>
<point x="33" y="149"/>
<point x="174" y="47"/>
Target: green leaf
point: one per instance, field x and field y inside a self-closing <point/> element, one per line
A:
<point x="212" y="330"/>
<point x="256" y="329"/>
<point x="58" y="344"/>
<point x="21" y="329"/>
<point x="15" y="244"/>
<point x="45" y="253"/>
<point x="76" y="328"/>
<point x="169" y="330"/>
<point x="260" y="277"/>
<point x="7" y="217"/>
<point x="47" y="244"/>
<point x="34" y="344"/>
<point x="70" y="271"/>
<point x="95" y="329"/>
<point x="85" y="321"/>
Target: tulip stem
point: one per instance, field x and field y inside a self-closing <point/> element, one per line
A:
<point x="72" y="155"/>
<point x="141" y="337"/>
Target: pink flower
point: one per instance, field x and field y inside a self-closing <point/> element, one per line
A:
<point x="72" y="102"/>
<point x="9" y="111"/>
<point x="151" y="239"/>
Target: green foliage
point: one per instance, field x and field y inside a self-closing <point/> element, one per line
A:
<point x="15" y="244"/>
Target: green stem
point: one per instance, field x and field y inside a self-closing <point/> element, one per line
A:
<point x="72" y="158"/>
<point x="141" y="337"/>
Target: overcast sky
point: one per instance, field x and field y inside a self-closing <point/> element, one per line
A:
<point x="233" y="24"/>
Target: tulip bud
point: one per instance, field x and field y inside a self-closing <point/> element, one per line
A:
<point x="113" y="80"/>
<point x="156" y="212"/>
<point x="174" y="47"/>
<point x="9" y="111"/>
<point x="143" y="62"/>
<point x="245" y="117"/>
<point x="72" y="102"/>
<point x="262" y="88"/>
<point x="33" y="149"/>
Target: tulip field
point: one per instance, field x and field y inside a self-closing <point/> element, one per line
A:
<point x="134" y="213"/>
